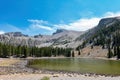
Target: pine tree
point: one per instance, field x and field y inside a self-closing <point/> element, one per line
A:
<point x="73" y="54"/>
<point x="110" y="54"/>
<point x="118" y="52"/>
<point x="0" y="49"/>
<point x="5" y="51"/>
<point x="79" y="52"/>
<point x="115" y="50"/>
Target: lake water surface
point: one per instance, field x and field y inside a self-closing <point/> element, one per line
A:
<point x="82" y="65"/>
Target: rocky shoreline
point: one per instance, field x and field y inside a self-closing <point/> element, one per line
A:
<point x="20" y="69"/>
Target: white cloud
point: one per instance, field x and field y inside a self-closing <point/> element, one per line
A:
<point x="86" y="23"/>
<point x="111" y="14"/>
<point x="35" y="21"/>
<point x="39" y="24"/>
<point x="44" y="27"/>
<point x="80" y="25"/>
<point x="2" y="32"/>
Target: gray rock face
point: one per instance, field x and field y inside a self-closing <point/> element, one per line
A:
<point x="59" y="31"/>
<point x="61" y="38"/>
<point x="108" y="21"/>
<point x="64" y="38"/>
<point x="105" y="22"/>
<point x="16" y="34"/>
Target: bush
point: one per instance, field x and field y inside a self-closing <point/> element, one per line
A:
<point x="45" y="78"/>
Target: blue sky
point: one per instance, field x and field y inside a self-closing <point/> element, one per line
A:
<point x="45" y="16"/>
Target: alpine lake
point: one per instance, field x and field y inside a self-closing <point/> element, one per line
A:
<point x="78" y="65"/>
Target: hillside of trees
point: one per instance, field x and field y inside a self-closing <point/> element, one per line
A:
<point x="107" y="37"/>
<point x="7" y="50"/>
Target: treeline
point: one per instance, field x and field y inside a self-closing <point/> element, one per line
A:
<point x="108" y="38"/>
<point x="7" y="50"/>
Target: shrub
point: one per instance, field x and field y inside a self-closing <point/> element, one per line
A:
<point x="45" y="78"/>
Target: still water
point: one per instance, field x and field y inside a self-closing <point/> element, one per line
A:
<point x="81" y="65"/>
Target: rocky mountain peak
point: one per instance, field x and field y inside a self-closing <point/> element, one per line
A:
<point x="108" y="21"/>
<point x="16" y="34"/>
<point x="38" y="36"/>
<point x="59" y="31"/>
<point x="61" y="38"/>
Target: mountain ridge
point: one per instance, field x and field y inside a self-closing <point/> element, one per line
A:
<point x="60" y="37"/>
<point x="103" y="40"/>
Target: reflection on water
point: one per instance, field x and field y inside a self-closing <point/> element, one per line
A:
<point x="79" y="65"/>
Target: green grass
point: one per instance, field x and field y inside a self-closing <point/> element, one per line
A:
<point x="45" y="78"/>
